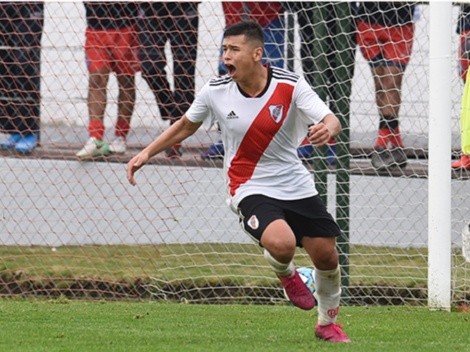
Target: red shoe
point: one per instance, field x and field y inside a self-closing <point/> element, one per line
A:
<point x="332" y="333"/>
<point x="389" y="138"/>
<point x="462" y="163"/>
<point x="383" y="138"/>
<point x="297" y="292"/>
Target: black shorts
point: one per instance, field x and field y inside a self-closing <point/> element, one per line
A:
<point x="307" y="217"/>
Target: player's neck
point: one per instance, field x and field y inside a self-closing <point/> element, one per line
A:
<point x="255" y="83"/>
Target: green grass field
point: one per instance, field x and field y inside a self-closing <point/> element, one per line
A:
<point x="63" y="325"/>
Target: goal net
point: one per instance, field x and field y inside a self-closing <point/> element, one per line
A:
<point x="78" y="229"/>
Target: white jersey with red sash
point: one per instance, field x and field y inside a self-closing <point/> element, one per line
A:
<point x="261" y="134"/>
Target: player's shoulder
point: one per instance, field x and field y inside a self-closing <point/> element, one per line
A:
<point x="220" y="81"/>
<point x="285" y="75"/>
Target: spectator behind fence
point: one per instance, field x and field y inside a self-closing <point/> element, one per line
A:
<point x="21" y="27"/>
<point x="385" y="33"/>
<point x="463" y="29"/>
<point x="322" y="60"/>
<point x="270" y="190"/>
<point x="111" y="46"/>
<point x="176" y="23"/>
<point x="270" y="16"/>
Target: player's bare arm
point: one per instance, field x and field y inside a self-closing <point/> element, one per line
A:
<point x="320" y="133"/>
<point x="179" y="131"/>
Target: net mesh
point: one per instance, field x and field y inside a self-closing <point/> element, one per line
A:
<point x="78" y="229"/>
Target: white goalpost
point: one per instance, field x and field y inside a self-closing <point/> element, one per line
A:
<point x="439" y="179"/>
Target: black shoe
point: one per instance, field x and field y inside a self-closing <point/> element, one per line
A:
<point x="215" y="151"/>
<point x="174" y="152"/>
<point x="383" y="159"/>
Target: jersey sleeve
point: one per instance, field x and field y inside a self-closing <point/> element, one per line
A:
<point x="200" y="109"/>
<point x="311" y="107"/>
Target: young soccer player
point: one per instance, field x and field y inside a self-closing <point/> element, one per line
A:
<point x="270" y="16"/>
<point x="264" y="113"/>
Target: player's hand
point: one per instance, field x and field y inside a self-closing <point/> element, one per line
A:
<point x="319" y="134"/>
<point x="135" y="164"/>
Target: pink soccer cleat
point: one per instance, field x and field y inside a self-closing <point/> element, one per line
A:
<point x="297" y="292"/>
<point x="332" y="333"/>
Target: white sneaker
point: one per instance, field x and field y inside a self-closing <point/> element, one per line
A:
<point x="118" y="146"/>
<point x="93" y="148"/>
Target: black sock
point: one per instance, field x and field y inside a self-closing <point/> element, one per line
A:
<point x="387" y="121"/>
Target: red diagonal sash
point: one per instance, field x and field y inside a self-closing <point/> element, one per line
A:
<point x="259" y="135"/>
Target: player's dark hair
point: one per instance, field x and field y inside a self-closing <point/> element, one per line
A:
<point x="252" y="31"/>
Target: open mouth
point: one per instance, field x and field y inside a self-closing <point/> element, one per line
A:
<point x="231" y="69"/>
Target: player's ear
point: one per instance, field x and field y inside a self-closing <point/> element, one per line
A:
<point x="258" y="53"/>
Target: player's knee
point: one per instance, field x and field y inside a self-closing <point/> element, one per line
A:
<point x="326" y="258"/>
<point x="281" y="248"/>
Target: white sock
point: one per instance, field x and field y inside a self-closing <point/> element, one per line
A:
<point x="327" y="294"/>
<point x="281" y="269"/>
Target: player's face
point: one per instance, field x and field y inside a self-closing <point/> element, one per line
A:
<point x="240" y="56"/>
